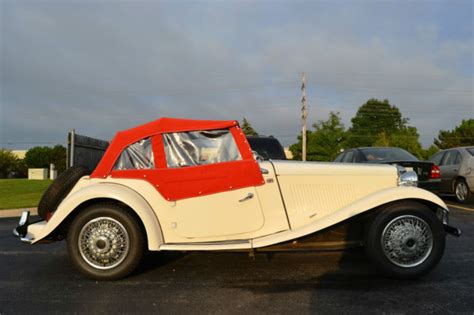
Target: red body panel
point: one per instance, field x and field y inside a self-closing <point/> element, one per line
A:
<point x="186" y="182"/>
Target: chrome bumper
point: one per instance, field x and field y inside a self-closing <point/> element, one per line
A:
<point x="452" y="230"/>
<point x="21" y="231"/>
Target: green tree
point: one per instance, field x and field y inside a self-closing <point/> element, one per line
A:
<point x="58" y="157"/>
<point x="42" y="157"/>
<point x="325" y="142"/>
<point x="462" y="135"/>
<point x="373" y="121"/>
<point x="407" y="138"/>
<point x="378" y="123"/>
<point x="429" y="152"/>
<point x="38" y="157"/>
<point x="248" y="129"/>
<point x="8" y="162"/>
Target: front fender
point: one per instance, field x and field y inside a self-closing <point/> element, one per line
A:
<point x="100" y="191"/>
<point x="362" y="205"/>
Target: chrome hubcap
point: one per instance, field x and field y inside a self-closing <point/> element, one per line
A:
<point x="407" y="241"/>
<point x="461" y="191"/>
<point x="103" y="243"/>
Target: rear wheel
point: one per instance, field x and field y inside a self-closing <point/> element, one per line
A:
<point x="105" y="242"/>
<point x="462" y="192"/>
<point x="406" y="240"/>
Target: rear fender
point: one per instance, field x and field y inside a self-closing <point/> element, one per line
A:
<point x="108" y="191"/>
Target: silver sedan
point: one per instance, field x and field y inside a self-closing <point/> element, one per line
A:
<point x="457" y="172"/>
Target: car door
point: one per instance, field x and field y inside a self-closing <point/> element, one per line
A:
<point x="449" y="168"/>
<point x="208" y="167"/>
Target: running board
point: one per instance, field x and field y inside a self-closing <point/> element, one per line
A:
<point x="231" y="245"/>
<point x="294" y="245"/>
<point x="311" y="246"/>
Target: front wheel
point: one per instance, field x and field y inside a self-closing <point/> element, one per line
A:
<point x="105" y="242"/>
<point x="406" y="240"/>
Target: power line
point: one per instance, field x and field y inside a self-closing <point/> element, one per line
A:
<point x="233" y="88"/>
<point x="32" y="142"/>
<point x="341" y="109"/>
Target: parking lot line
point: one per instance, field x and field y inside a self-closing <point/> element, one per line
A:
<point x="459" y="207"/>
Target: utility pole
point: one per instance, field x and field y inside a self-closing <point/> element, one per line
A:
<point x="304" y="115"/>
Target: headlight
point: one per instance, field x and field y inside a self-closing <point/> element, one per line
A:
<point x="408" y="179"/>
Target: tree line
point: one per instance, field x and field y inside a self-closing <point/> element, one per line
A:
<point x="376" y="123"/>
<point x="36" y="157"/>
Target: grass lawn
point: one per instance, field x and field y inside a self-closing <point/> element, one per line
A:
<point x="21" y="193"/>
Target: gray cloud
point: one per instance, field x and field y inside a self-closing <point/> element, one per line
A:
<point x="102" y="66"/>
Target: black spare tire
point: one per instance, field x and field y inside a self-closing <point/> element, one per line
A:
<point x="59" y="189"/>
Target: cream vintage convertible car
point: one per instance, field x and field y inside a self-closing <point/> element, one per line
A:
<point x="188" y="185"/>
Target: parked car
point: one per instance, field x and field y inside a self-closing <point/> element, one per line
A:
<point x="187" y="185"/>
<point x="268" y="148"/>
<point x="428" y="173"/>
<point x="457" y="172"/>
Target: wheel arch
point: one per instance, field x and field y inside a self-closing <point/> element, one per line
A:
<point x="454" y="181"/>
<point x="79" y="200"/>
<point x="428" y="203"/>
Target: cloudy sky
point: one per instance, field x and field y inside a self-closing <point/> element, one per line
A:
<point x="102" y="66"/>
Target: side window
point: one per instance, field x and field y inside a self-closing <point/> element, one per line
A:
<point x="199" y="148"/>
<point x="348" y="157"/>
<point x="138" y="155"/>
<point x="457" y="159"/>
<point x="451" y="157"/>
<point x="339" y="157"/>
<point x="436" y="159"/>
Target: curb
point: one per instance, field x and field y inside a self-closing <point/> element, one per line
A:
<point x="459" y="207"/>
<point x="12" y="213"/>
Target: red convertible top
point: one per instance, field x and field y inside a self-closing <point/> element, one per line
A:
<point x="125" y="138"/>
<point x="213" y="177"/>
<point x="165" y="124"/>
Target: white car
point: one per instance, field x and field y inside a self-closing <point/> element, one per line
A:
<point x="187" y="185"/>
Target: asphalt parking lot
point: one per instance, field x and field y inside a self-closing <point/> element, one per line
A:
<point x="39" y="279"/>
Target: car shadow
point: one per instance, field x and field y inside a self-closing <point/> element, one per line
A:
<point x="273" y="271"/>
<point x="154" y="260"/>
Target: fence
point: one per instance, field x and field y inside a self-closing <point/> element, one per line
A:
<point x="85" y="151"/>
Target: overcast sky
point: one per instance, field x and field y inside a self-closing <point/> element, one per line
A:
<point x="103" y="66"/>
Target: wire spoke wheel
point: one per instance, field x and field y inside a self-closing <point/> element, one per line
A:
<point x="103" y="243"/>
<point x="407" y="241"/>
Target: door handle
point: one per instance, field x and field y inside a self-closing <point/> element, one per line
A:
<point x="249" y="196"/>
<point x="264" y="171"/>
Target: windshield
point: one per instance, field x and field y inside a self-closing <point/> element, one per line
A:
<point x="387" y="154"/>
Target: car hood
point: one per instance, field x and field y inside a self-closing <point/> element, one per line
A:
<point x="330" y="168"/>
